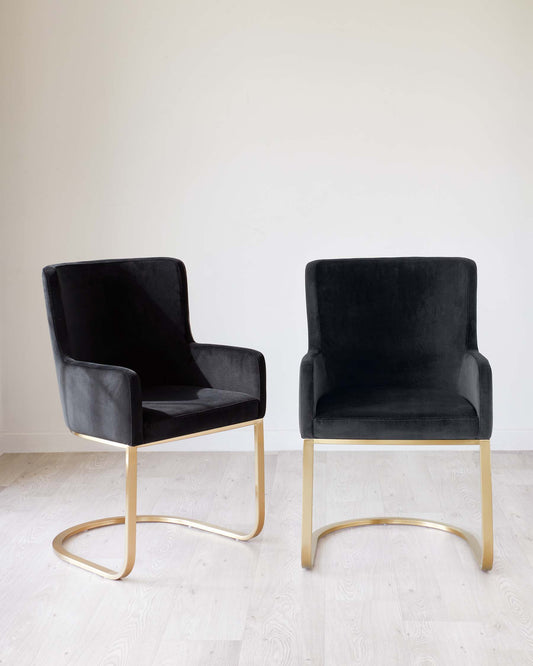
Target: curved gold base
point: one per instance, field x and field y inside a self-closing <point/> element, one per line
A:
<point x="483" y="552"/>
<point x="64" y="554"/>
<point x="131" y="518"/>
<point x="482" y="555"/>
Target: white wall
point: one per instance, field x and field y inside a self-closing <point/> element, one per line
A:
<point x="248" y="138"/>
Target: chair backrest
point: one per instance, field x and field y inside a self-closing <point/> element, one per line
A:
<point x="128" y="312"/>
<point x="392" y="321"/>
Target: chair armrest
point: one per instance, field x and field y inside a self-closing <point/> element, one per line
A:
<point x="313" y="385"/>
<point x="475" y="384"/>
<point x="102" y="401"/>
<point x="232" y="369"/>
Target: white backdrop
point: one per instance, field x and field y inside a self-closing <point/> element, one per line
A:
<point x="248" y="138"/>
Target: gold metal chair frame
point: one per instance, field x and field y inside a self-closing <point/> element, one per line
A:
<point x="482" y="552"/>
<point x="130" y="519"/>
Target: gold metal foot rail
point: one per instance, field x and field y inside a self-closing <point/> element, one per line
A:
<point x="130" y="519"/>
<point x="482" y="552"/>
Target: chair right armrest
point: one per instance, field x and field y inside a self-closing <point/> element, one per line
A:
<point x="232" y="369"/>
<point x="475" y="384"/>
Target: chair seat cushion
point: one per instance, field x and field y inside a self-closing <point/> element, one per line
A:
<point x="172" y="411"/>
<point x="394" y="413"/>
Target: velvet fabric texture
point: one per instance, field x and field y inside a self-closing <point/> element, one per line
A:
<point x="393" y="351"/>
<point x="128" y="368"/>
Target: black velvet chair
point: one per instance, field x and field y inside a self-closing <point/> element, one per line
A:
<point x="131" y="375"/>
<point x="393" y="359"/>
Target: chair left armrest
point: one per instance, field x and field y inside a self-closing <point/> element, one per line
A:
<point x="475" y="384"/>
<point x="232" y="369"/>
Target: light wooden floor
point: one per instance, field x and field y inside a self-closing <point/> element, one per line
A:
<point x="379" y="596"/>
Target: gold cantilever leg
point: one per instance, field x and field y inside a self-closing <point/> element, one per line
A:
<point x="259" y="445"/>
<point x="259" y="500"/>
<point x="483" y="552"/>
<point x="131" y="518"/>
<point x="487" y="554"/>
<point x="308" y="552"/>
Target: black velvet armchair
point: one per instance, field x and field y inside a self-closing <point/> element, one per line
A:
<point x="393" y="359"/>
<point x="131" y="375"/>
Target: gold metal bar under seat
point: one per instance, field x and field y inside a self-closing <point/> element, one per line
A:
<point x="483" y="552"/>
<point x="130" y="519"/>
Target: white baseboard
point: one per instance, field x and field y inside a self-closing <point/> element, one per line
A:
<point x="233" y="440"/>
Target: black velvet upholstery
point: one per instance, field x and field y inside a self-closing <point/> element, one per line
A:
<point x="128" y="368"/>
<point x="393" y="351"/>
<point x="185" y="409"/>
